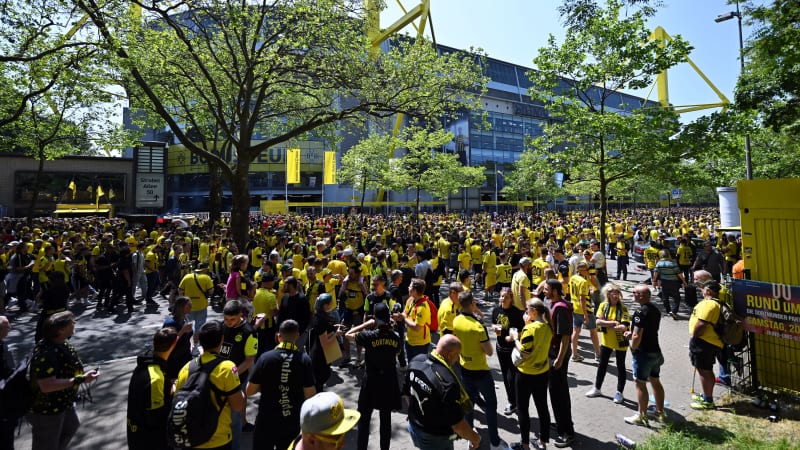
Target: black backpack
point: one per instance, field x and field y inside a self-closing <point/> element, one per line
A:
<point x="16" y="394"/>
<point x="193" y="416"/>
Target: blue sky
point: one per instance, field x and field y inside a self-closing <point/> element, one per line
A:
<point x="514" y="30"/>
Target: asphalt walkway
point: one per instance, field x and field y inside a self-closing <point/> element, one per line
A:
<point x="112" y="340"/>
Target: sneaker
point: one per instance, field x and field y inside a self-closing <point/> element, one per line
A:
<point x="577" y="358"/>
<point x="517" y="446"/>
<point x="724" y="382"/>
<point x="697" y="398"/>
<point x="660" y="417"/>
<point x="537" y="445"/>
<point x="509" y="410"/>
<point x="502" y="445"/>
<point x="594" y="392"/>
<point x="674" y="315"/>
<point x="618" y="399"/>
<point x="637" y="419"/>
<point x="564" y="440"/>
<point x="701" y="405"/>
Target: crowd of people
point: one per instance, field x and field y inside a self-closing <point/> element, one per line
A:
<point x="303" y="293"/>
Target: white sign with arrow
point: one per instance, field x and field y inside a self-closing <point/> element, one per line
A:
<point x="150" y="190"/>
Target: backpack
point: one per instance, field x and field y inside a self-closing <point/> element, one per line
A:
<point x="434" y="326"/>
<point x="730" y="327"/>
<point x="16" y="394"/>
<point x="193" y="417"/>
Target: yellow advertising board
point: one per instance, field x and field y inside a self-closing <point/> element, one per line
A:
<point x="182" y="161"/>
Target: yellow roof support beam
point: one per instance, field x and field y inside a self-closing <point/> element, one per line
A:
<point x="662" y="82"/>
<point x="378" y="36"/>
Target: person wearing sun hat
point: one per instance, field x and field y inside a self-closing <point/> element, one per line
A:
<point x="324" y="421"/>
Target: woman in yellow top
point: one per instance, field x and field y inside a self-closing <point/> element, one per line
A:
<point x="613" y="320"/>
<point x="532" y="379"/>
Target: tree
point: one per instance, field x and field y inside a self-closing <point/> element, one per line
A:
<point x="533" y="178"/>
<point x="770" y="83"/>
<point x="365" y="164"/>
<point x="66" y="108"/>
<point x="278" y="70"/>
<point x="594" y="134"/>
<point x="36" y="32"/>
<point x="422" y="168"/>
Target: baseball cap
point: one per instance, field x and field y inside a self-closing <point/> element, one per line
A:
<point x="381" y="313"/>
<point x="347" y="252"/>
<point x="524" y="261"/>
<point x="286" y="267"/>
<point x="201" y="266"/>
<point x="324" y="413"/>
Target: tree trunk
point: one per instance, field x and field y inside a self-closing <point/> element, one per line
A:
<point x="240" y="209"/>
<point x="36" y="181"/>
<point x="363" y="193"/>
<point x="416" y="208"/>
<point x="214" y="194"/>
<point x="603" y="193"/>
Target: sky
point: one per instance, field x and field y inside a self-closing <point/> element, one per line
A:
<point x="514" y="30"/>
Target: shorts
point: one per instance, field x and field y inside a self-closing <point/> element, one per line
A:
<point x="702" y="354"/>
<point x="352" y="317"/>
<point x="577" y="321"/>
<point x="647" y="365"/>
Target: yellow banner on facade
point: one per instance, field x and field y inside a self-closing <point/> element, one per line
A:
<point x="329" y="175"/>
<point x="293" y="165"/>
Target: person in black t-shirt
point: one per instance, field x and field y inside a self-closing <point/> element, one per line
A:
<point x="379" y="294"/>
<point x="239" y="345"/>
<point x="647" y="357"/>
<point x="504" y="317"/>
<point x="397" y="295"/>
<point x="380" y="389"/>
<point x="561" y="314"/>
<point x="284" y="378"/>
<point x="437" y="401"/>
<point x="54" y="299"/>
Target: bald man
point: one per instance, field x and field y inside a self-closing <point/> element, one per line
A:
<point x="437" y="400"/>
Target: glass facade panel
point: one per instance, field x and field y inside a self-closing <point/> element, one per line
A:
<point x="501" y="72"/>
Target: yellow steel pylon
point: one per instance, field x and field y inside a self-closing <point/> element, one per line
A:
<point x="660" y="35"/>
<point x="377" y="36"/>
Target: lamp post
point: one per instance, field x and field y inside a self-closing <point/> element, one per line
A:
<point x="722" y="18"/>
<point x="496" y="173"/>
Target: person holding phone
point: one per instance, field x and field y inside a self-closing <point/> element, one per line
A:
<point x="56" y="376"/>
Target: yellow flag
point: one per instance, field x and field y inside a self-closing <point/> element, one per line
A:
<point x="111" y="194"/>
<point x="329" y="175"/>
<point x="89" y="189"/>
<point x="72" y="188"/>
<point x="99" y="193"/>
<point x="293" y="165"/>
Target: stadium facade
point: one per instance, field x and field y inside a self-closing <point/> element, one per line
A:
<point x="183" y="177"/>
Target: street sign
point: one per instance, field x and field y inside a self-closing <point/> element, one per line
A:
<point x="149" y="190"/>
<point x="676" y="193"/>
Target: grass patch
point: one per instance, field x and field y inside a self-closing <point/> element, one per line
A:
<point x="735" y="424"/>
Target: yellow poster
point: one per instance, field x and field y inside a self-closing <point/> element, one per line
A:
<point x="330" y="168"/>
<point x="293" y="165"/>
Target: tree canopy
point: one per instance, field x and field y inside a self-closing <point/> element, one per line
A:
<point x="594" y="136"/>
<point x="271" y="72"/>
<point x="770" y="83"/>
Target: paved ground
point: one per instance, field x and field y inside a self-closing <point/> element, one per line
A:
<point x="112" y="341"/>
